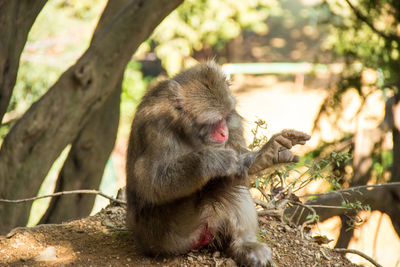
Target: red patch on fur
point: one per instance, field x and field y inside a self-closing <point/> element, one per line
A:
<point x="205" y="238"/>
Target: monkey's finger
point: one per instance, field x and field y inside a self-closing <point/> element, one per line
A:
<point x="295" y="135"/>
<point x="298" y="142"/>
<point x="295" y="159"/>
<point x="283" y="141"/>
<point x="297" y="138"/>
<point x="285" y="156"/>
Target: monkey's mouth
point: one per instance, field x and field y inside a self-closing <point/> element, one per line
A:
<point x="221" y="138"/>
<point x="220" y="132"/>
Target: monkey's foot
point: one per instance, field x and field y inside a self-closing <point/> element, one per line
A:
<point x="254" y="254"/>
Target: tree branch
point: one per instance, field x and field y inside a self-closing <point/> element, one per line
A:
<point x="16" y="19"/>
<point x="353" y="189"/>
<point x="381" y="197"/>
<point x="84" y="166"/>
<point x="91" y="149"/>
<point x="63" y="193"/>
<point x="359" y="253"/>
<point x="364" y="18"/>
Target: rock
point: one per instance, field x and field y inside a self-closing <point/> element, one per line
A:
<point x="48" y="254"/>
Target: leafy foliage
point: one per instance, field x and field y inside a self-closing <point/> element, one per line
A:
<point x="133" y="87"/>
<point x="367" y="32"/>
<point x="200" y="24"/>
<point x="54" y="43"/>
<point x="366" y="36"/>
<point x="293" y="177"/>
<point x="383" y="161"/>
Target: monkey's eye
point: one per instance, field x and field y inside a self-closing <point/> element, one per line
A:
<point x="203" y="130"/>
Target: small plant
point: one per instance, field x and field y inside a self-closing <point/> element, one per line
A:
<point x="278" y="178"/>
<point x="278" y="185"/>
<point x="258" y="142"/>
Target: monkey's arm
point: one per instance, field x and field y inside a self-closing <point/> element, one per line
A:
<point x="277" y="150"/>
<point x="168" y="178"/>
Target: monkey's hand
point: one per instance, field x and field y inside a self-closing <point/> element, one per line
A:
<point x="224" y="162"/>
<point x="229" y="163"/>
<point x="246" y="161"/>
<point x="277" y="150"/>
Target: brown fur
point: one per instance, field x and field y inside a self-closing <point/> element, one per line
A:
<point x="178" y="181"/>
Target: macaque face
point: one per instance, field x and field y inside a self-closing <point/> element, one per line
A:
<point x="205" y="99"/>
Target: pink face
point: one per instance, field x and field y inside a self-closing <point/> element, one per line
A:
<point x="220" y="132"/>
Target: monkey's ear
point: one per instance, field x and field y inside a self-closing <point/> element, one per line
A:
<point x="175" y="95"/>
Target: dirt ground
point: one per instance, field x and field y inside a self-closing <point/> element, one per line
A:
<point x="100" y="240"/>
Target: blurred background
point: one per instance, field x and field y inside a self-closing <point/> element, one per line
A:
<point x="329" y="68"/>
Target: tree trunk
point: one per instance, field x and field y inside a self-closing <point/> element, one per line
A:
<point x="84" y="167"/>
<point x="346" y="233"/>
<point x="57" y="118"/>
<point x="395" y="175"/>
<point x="396" y="156"/>
<point x="365" y="142"/>
<point x="16" y="19"/>
<point x="396" y="138"/>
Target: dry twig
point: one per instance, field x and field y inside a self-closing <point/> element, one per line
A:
<point x="263" y="192"/>
<point x="352" y="189"/>
<point x="271" y="210"/>
<point x="309" y="221"/>
<point x="84" y="191"/>
<point x="359" y="253"/>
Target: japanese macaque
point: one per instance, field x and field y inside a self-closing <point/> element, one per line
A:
<point x="188" y="167"/>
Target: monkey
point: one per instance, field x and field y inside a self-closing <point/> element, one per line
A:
<point x="188" y="169"/>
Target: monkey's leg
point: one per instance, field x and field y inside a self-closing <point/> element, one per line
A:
<point x="171" y="229"/>
<point x="240" y="227"/>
